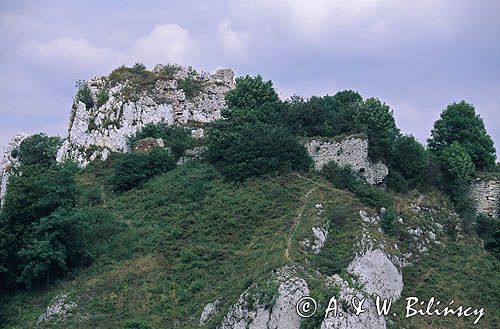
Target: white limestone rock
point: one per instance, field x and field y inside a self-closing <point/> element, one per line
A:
<point x="9" y="161"/>
<point x="209" y="311"/>
<point x="60" y="309"/>
<point x="97" y="131"/>
<point x="352" y="151"/>
<point x="377" y="273"/>
<point x="366" y="320"/>
<point x="282" y="315"/>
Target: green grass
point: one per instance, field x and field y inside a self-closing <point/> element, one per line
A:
<point x="188" y="237"/>
<point x="461" y="271"/>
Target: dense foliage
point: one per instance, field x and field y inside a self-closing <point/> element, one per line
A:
<point x="134" y="169"/>
<point x="251" y="140"/>
<point x="460" y="124"/>
<point x="30" y="248"/>
<point x="178" y="139"/>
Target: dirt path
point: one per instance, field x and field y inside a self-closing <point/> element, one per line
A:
<point x="296" y="224"/>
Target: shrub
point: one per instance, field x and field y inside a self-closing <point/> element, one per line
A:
<point x="39" y="149"/>
<point x="242" y="150"/>
<point x="388" y="222"/>
<point x="58" y="243"/>
<point x="191" y="86"/>
<point x="341" y="176"/>
<point x="169" y="71"/>
<point x="489" y="230"/>
<point x="179" y="139"/>
<point x="251" y="93"/>
<point x="134" y="169"/>
<point x="84" y="94"/>
<point x="409" y="160"/>
<point x="102" y="97"/>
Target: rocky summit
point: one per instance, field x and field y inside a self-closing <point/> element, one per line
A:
<point x="109" y="109"/>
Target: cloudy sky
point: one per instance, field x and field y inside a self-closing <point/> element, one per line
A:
<point x="417" y="56"/>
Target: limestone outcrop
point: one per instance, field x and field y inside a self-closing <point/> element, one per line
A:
<point x="486" y="195"/>
<point x="9" y="161"/>
<point x="107" y="110"/>
<point x="256" y="315"/>
<point x="352" y="151"/>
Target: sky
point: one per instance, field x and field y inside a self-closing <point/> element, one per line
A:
<point x="416" y="56"/>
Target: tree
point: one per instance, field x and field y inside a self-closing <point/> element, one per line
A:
<point x="458" y="164"/>
<point x="251" y="93"/>
<point x="134" y="169"/>
<point x="460" y="123"/>
<point x="57" y="243"/>
<point x="409" y="159"/>
<point x="244" y="149"/>
<point x="378" y="121"/>
<point x="39" y="149"/>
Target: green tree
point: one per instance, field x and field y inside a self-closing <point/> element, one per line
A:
<point x="460" y="123"/>
<point x="39" y="149"/>
<point x="409" y="160"/>
<point x="243" y="149"/>
<point x="251" y="93"/>
<point x="58" y="242"/>
<point x="458" y="164"/>
<point x="378" y="121"/>
<point x="134" y="169"/>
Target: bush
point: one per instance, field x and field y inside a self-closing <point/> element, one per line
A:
<point x="58" y="243"/>
<point x="84" y="94"/>
<point x="388" y="222"/>
<point x="489" y="230"/>
<point x="241" y="150"/>
<point x="134" y="169"/>
<point x="251" y="93"/>
<point x="179" y="139"/>
<point x="341" y="176"/>
<point x="191" y="86"/>
<point x="409" y="160"/>
<point x="102" y="97"/>
<point x="39" y="149"/>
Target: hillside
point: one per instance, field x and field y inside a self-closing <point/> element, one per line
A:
<point x="231" y="225"/>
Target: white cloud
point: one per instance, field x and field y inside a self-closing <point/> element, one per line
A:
<point x="76" y="52"/>
<point x="232" y="42"/>
<point x="165" y="43"/>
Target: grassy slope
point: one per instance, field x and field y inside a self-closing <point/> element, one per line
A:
<point x="188" y="238"/>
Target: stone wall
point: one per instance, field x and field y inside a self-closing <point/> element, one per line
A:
<point x="486" y="194"/>
<point x="351" y="151"/>
<point x="8" y="162"/>
<point x="94" y="132"/>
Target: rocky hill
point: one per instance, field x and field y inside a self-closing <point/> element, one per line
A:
<point x="117" y="106"/>
<point x="184" y="245"/>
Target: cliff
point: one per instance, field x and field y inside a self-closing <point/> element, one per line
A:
<point x="107" y="110"/>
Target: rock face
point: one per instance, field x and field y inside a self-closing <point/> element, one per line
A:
<point x="208" y="312"/>
<point x="376" y="275"/>
<point x="8" y="162"/>
<point x="486" y="194"/>
<point x="352" y="151"/>
<point x="60" y="308"/>
<point x="118" y="107"/>
<point x="282" y="315"/>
